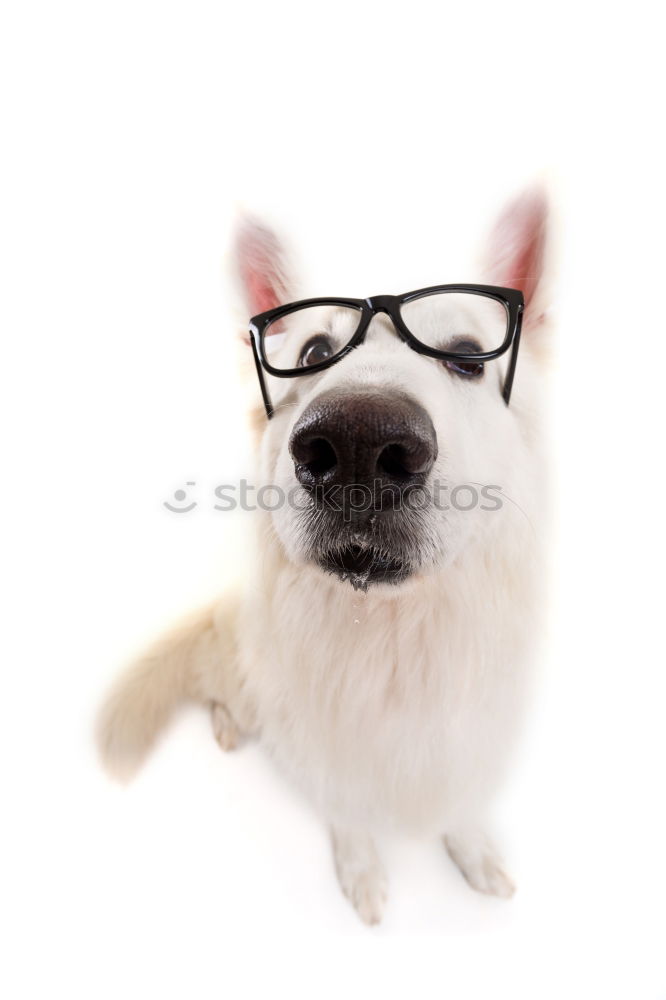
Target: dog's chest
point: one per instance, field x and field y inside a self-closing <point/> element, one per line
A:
<point x="385" y="711"/>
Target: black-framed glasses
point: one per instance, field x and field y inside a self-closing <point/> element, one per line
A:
<point x="462" y="325"/>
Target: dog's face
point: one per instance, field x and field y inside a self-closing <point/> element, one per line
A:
<point x="389" y="462"/>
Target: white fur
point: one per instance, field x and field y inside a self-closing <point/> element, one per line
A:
<point x="397" y="707"/>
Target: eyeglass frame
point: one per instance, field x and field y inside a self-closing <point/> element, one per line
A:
<point x="511" y="298"/>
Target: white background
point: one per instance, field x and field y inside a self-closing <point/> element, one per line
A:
<point x="382" y="139"/>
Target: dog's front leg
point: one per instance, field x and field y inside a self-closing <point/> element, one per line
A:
<point x="360" y="872"/>
<point x="473" y="853"/>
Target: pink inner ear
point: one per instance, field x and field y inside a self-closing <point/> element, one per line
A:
<point x="518" y="243"/>
<point x="261" y="265"/>
<point x="260" y="291"/>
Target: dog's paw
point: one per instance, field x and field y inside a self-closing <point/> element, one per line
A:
<point x="367" y="893"/>
<point x="478" y="861"/>
<point x="361" y="875"/>
<point x="225" y="729"/>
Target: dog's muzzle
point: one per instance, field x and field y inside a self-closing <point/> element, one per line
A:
<point x="361" y="457"/>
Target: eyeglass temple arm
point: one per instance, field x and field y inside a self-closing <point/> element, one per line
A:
<point x="262" y="381"/>
<point x="511" y="370"/>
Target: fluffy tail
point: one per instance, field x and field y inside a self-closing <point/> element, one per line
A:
<point x="142" y="701"/>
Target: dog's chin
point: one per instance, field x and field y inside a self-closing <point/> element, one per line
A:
<point x="363" y="566"/>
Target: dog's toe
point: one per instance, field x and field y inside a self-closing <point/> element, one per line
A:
<point x="225" y="729"/>
<point x="368" y="896"/>
<point x="361" y="874"/>
<point x="479" y="863"/>
<point x="488" y="876"/>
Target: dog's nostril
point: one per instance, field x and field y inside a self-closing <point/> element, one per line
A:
<point x="316" y="457"/>
<point x="391" y="461"/>
<point x="323" y="457"/>
<point x="398" y="462"/>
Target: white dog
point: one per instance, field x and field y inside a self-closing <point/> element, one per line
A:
<point x="379" y="650"/>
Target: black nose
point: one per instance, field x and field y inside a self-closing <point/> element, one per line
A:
<point x="362" y="438"/>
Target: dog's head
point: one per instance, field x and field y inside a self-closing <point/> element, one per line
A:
<point x="389" y="462"/>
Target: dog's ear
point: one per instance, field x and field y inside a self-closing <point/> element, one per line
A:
<point x="261" y="265"/>
<point x="516" y="254"/>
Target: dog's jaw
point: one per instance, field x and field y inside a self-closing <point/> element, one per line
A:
<point x="363" y="564"/>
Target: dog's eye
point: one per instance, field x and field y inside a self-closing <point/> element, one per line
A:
<point x="316" y="350"/>
<point x="466" y="369"/>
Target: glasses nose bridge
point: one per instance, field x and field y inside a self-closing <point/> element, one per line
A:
<point x="389" y="305"/>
